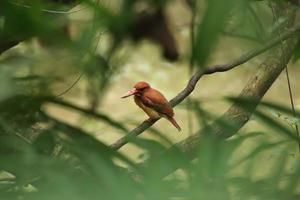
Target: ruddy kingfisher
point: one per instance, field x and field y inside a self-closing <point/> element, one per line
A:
<point x="153" y="103"/>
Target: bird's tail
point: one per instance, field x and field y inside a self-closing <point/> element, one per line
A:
<point x="173" y="121"/>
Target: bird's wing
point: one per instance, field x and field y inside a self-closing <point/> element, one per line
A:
<point x="155" y="100"/>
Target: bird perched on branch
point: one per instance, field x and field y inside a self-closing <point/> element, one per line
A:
<point x="153" y="103"/>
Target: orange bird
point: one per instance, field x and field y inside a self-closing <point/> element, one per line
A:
<point x="153" y="103"/>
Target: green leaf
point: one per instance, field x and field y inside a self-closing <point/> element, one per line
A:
<point x="214" y="19"/>
<point x="296" y="54"/>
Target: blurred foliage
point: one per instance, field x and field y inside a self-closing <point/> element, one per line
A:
<point x="42" y="157"/>
<point x="214" y="19"/>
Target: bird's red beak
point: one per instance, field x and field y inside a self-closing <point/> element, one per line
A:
<point x="130" y="92"/>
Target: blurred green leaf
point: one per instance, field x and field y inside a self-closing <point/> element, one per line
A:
<point x="214" y="19"/>
<point x="58" y="158"/>
<point x="296" y="54"/>
<point x="248" y="104"/>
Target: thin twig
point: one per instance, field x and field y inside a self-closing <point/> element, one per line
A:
<point x="292" y="104"/>
<point x="83" y="70"/>
<point x="287" y="77"/>
<point x="48" y="10"/>
<point x="71" y="86"/>
<point x="205" y="71"/>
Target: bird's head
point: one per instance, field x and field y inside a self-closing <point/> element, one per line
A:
<point x="138" y="89"/>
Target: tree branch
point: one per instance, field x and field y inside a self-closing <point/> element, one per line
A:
<point x="206" y="71"/>
<point x="255" y="89"/>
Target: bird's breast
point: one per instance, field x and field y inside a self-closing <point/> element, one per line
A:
<point x="149" y="111"/>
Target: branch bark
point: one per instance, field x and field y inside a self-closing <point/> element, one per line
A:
<point x="211" y="70"/>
